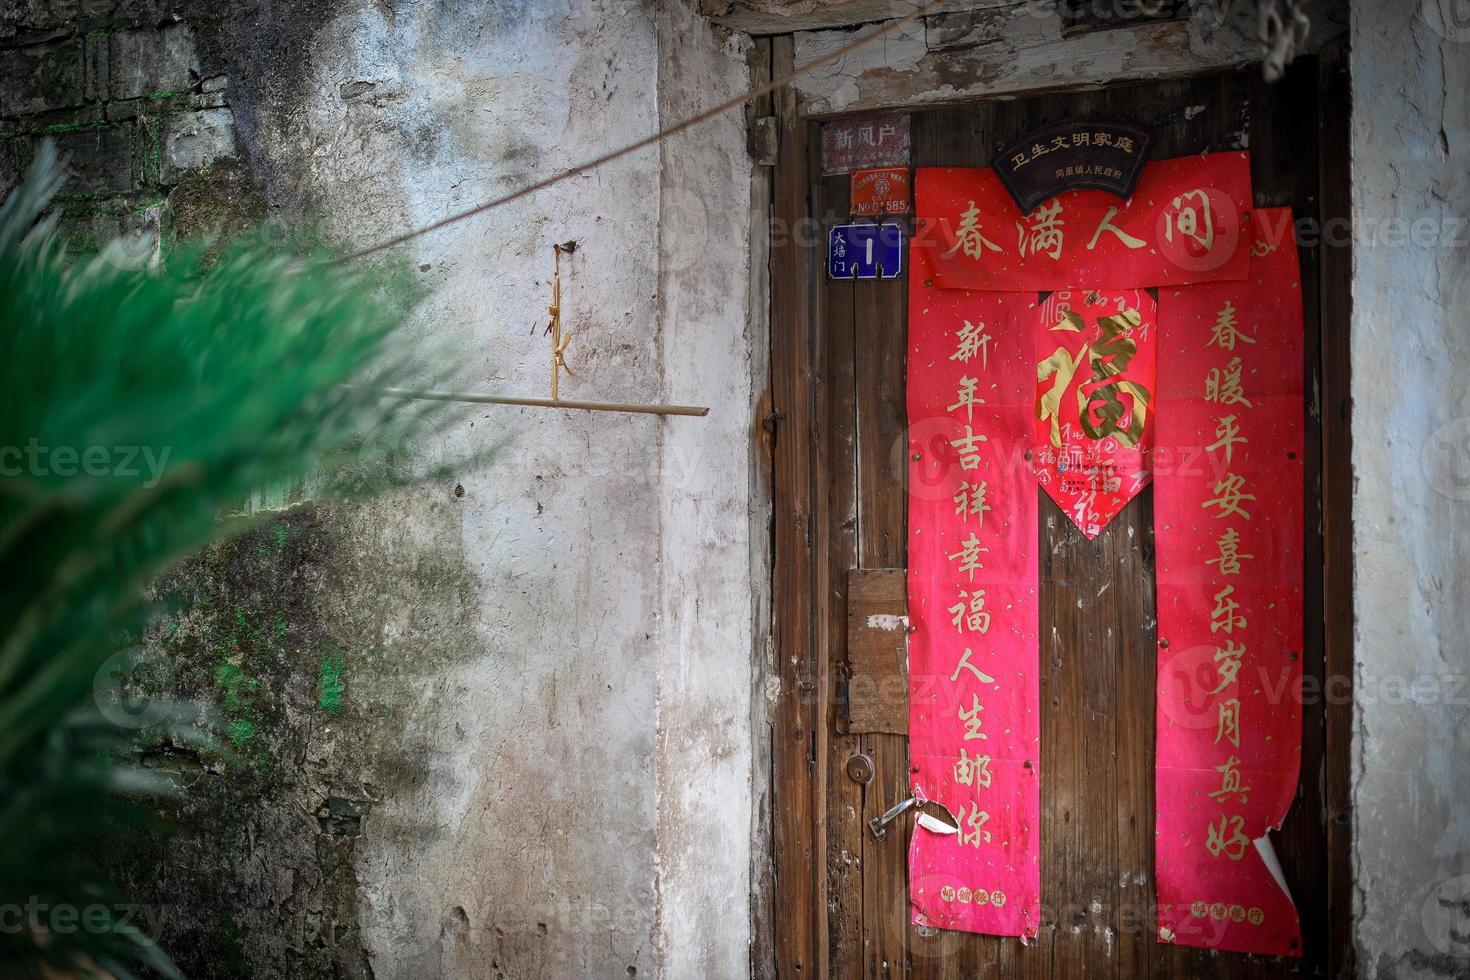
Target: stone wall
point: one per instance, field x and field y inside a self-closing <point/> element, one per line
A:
<point x="497" y="724"/>
<point x="120" y="89"/>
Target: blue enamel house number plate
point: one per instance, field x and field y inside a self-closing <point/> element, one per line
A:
<point x="865" y="251"/>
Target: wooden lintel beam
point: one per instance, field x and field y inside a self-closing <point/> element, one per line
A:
<point x="785" y="16"/>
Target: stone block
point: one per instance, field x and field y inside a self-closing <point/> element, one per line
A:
<point x="43" y="14"/>
<point x="120" y="111"/>
<point x="89" y="234"/>
<point x="14" y="151"/>
<point x="149" y="62"/>
<point x="195" y="140"/>
<point x="99" y="160"/>
<point x="95" y="52"/>
<point x="40" y="77"/>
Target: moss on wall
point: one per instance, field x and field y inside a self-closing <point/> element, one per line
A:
<point x="281" y="634"/>
<point x="309" y="639"/>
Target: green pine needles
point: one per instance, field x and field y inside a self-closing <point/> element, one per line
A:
<point x="141" y="404"/>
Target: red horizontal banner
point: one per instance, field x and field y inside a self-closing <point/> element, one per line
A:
<point x="1182" y="225"/>
<point x="1228" y="506"/>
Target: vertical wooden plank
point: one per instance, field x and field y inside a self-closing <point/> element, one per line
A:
<point x="877" y="651"/>
<point x="800" y="912"/>
<point x="1097" y="601"/>
<point x="820" y="692"/>
<point x="846" y="826"/>
<point x="1284" y="128"/>
<point x="1335" y="467"/>
<point x="880" y="329"/>
<point x="763" y="878"/>
<point x="1065" y="640"/>
<point x="1134" y="914"/>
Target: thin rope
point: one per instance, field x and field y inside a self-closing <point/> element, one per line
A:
<point x="648" y="141"/>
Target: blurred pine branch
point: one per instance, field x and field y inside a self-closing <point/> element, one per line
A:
<point x="140" y="406"/>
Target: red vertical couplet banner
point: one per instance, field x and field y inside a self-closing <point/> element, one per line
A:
<point x="974" y="726"/>
<point x="1095" y="377"/>
<point x="1228" y="506"/>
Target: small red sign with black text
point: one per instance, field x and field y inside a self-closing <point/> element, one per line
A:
<point x="878" y="193"/>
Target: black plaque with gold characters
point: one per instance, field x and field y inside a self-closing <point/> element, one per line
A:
<point x="1095" y="155"/>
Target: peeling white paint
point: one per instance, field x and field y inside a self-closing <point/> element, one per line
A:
<point x="1029" y="54"/>
<point x="1411" y="505"/>
<point x="613" y="552"/>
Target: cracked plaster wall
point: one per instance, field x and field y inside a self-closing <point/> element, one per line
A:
<point x="595" y="747"/>
<point x="1411" y="511"/>
<point x="706" y="674"/>
<point x="498" y="725"/>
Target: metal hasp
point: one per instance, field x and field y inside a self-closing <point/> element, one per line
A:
<point x="879" y="825"/>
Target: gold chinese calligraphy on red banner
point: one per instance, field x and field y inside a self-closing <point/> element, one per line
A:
<point x="1182" y="225"/>
<point x="974" y="699"/>
<point x="1095" y="379"/>
<point x="1199" y="391"/>
<point x="1228" y="506"/>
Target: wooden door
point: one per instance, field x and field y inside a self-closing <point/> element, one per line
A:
<point x="840" y="894"/>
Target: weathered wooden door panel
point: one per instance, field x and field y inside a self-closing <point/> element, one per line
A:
<point x="1098" y="622"/>
<point x="877" y="651"/>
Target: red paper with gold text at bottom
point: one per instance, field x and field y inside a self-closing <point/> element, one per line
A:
<point x="1095" y="368"/>
<point x="1182" y="225"/>
<point x="1229" y="518"/>
<point x="973" y="715"/>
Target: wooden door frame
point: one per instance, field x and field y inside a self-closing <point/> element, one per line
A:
<point x="791" y="900"/>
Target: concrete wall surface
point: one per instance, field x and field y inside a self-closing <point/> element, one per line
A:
<point x="1411" y="512"/>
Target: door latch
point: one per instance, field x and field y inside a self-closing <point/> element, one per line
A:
<point x="879" y="825"/>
